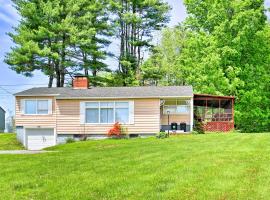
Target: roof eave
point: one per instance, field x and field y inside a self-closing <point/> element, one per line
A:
<point x="36" y="95"/>
<point x="146" y="97"/>
<point x="215" y="96"/>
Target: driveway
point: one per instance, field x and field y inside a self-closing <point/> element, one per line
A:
<point x="22" y="152"/>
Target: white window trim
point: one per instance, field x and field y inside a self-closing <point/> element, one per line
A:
<point x="23" y="102"/>
<point x="83" y="108"/>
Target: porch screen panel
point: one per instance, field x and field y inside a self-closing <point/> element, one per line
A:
<point x="212" y="113"/>
<point x="225" y="110"/>
<point x="199" y="109"/>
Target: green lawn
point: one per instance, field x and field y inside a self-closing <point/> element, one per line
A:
<point x="9" y="142"/>
<point x="212" y="166"/>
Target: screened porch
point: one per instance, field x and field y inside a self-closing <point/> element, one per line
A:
<point x="216" y="112"/>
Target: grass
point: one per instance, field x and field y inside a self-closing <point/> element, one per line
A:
<point x="9" y="142"/>
<point x="212" y="166"/>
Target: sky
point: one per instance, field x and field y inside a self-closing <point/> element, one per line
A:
<point x="11" y="82"/>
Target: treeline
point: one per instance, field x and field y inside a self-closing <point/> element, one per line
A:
<point x="65" y="37"/>
<point x="223" y="47"/>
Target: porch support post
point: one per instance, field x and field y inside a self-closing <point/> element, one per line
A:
<point x="191" y="114"/>
<point x="232" y="110"/>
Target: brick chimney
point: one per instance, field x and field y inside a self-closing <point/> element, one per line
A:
<point x="80" y="82"/>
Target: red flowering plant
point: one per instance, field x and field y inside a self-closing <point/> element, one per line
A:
<point x="117" y="131"/>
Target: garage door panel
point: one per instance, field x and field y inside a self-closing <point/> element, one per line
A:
<point x="40" y="138"/>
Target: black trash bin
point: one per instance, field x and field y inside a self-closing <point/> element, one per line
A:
<point x="174" y="126"/>
<point x="183" y="126"/>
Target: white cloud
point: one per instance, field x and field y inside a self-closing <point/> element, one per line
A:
<point x="6" y="18"/>
<point x="8" y="13"/>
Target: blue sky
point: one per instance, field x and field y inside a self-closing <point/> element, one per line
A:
<point x="8" y="19"/>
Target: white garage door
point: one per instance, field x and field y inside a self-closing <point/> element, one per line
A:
<point x="37" y="139"/>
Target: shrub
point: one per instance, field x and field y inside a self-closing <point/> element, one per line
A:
<point x="70" y="140"/>
<point x="162" y="135"/>
<point x="199" y="127"/>
<point x="118" y="131"/>
<point x="195" y="132"/>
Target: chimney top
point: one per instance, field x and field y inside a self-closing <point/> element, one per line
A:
<point x="80" y="82"/>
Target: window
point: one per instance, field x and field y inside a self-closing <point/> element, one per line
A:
<point x="107" y="112"/>
<point x="121" y="112"/>
<point x="42" y="107"/>
<point x="176" y="106"/>
<point x="30" y="107"/>
<point x="34" y="107"/>
<point x="92" y="112"/>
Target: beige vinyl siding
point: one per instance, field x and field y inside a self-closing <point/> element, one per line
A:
<point x="47" y="121"/>
<point x="146" y="118"/>
<point x="175" y="118"/>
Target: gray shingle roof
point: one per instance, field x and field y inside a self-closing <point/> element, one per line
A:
<point x="111" y="92"/>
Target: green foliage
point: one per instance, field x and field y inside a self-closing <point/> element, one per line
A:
<point x="60" y="37"/>
<point x="222" y="48"/>
<point x="94" y="16"/>
<point x="151" y="70"/>
<point x="162" y="135"/>
<point x="161" y="68"/>
<point x="8" y="141"/>
<point x="136" y="22"/>
<point x="63" y="37"/>
<point x="70" y="140"/>
<point x="199" y="127"/>
<point x="253" y="112"/>
<point x="237" y="48"/>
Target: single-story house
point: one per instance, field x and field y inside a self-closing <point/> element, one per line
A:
<point x="48" y="116"/>
<point x="2" y="119"/>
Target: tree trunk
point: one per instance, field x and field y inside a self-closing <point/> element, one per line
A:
<point x="63" y="59"/>
<point x="62" y="82"/>
<point x="50" y="81"/>
<point x="57" y="72"/>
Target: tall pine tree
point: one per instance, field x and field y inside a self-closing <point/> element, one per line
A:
<point x="53" y="36"/>
<point x="90" y="48"/>
<point x="137" y="20"/>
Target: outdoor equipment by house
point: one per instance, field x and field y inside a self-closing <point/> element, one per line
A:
<point x="174" y="126"/>
<point x="183" y="126"/>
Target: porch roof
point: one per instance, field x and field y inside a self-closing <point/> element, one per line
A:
<point x="209" y="96"/>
